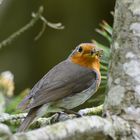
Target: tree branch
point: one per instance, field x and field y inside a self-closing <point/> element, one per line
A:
<point x="22" y="30"/>
<point x="18" y="118"/>
<point x="91" y="111"/>
<point x="93" y="127"/>
<point x="36" y="17"/>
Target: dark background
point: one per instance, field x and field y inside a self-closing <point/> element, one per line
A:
<point x="29" y="60"/>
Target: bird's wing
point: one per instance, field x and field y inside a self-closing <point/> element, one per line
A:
<point x="64" y="79"/>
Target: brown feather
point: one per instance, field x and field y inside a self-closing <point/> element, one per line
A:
<point x="71" y="79"/>
<point x="27" y="121"/>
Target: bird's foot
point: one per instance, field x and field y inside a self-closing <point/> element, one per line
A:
<point x="62" y="116"/>
<point x="59" y="116"/>
<point x="68" y="111"/>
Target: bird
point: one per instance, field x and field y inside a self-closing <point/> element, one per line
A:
<point x="66" y="86"/>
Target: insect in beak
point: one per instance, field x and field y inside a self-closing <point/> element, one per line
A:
<point x="99" y="53"/>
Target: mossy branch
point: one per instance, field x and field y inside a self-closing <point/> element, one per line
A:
<point x="89" y="127"/>
<point x="17" y="118"/>
<point x="92" y="111"/>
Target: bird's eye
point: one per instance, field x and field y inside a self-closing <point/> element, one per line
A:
<point x="80" y="49"/>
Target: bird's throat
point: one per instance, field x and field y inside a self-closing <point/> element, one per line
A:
<point x="93" y="63"/>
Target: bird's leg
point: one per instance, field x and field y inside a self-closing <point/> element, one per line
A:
<point x="61" y="116"/>
<point x="68" y="111"/>
<point x="55" y="117"/>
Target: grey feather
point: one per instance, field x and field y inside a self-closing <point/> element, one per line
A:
<point x="29" y="118"/>
<point x="63" y="80"/>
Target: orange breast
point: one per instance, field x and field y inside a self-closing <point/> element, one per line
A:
<point x="88" y="62"/>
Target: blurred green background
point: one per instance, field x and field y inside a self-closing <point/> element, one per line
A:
<point x="29" y="60"/>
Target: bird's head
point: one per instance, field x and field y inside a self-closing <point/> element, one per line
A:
<point x="87" y="55"/>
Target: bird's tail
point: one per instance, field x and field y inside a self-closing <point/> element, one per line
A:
<point x="27" y="121"/>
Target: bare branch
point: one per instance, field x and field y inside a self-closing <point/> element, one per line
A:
<point x="35" y="18"/>
<point x="22" y="30"/>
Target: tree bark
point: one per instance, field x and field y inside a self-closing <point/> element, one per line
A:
<point x="123" y="98"/>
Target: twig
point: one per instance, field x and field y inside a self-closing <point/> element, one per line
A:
<point x="35" y="17"/>
<point x="1" y="2"/>
<point x="52" y="25"/>
<point x="41" y="32"/>
<point x="23" y="29"/>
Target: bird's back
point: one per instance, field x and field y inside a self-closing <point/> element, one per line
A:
<point x="63" y="80"/>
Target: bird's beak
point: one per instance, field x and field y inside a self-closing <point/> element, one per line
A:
<point x="99" y="51"/>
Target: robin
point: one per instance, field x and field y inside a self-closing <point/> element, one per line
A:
<point x="66" y="86"/>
